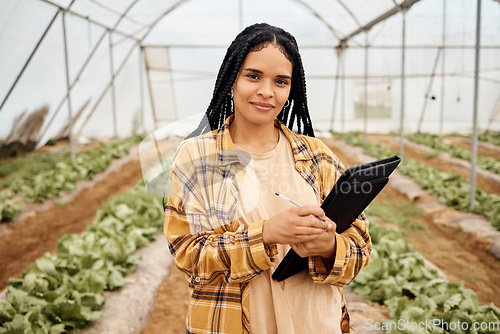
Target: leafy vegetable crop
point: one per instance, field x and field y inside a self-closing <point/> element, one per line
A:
<point x="41" y="176"/>
<point x="492" y="137"/>
<point x="64" y="290"/>
<point x="449" y="187"/>
<point x="34" y="162"/>
<point x="433" y="141"/>
<point x="414" y="294"/>
<point x="9" y="209"/>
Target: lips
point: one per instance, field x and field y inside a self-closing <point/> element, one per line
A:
<point x="263" y="106"/>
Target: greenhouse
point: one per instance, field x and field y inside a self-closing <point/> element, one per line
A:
<point x="96" y="97"/>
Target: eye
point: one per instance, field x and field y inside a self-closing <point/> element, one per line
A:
<point x="282" y="82"/>
<point x="253" y="76"/>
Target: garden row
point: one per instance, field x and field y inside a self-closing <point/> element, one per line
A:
<point x="492" y="137"/>
<point x="448" y="187"/>
<point x="417" y="298"/>
<point x="42" y="176"/>
<point x="63" y="291"/>
<point x="456" y="151"/>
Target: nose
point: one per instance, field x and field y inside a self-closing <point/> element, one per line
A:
<point x="265" y="89"/>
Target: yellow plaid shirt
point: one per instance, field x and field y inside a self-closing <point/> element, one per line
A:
<point x="220" y="255"/>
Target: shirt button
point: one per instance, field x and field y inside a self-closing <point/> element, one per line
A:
<point x="197" y="279"/>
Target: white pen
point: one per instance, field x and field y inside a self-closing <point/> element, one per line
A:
<point x="294" y="203"/>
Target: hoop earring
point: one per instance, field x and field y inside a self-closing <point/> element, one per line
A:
<point x="287" y="103"/>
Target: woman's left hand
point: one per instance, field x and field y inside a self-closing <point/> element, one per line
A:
<point x="323" y="245"/>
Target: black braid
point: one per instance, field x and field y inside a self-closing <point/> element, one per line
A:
<point x="254" y="38"/>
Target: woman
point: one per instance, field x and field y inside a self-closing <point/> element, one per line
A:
<point x="227" y="231"/>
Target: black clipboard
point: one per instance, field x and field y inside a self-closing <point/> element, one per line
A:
<point x="352" y="193"/>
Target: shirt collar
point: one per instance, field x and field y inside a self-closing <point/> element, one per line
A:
<point x="228" y="154"/>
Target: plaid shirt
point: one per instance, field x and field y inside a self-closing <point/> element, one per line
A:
<point x="220" y="255"/>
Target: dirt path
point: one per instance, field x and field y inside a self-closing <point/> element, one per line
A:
<point x="22" y="243"/>
<point x="170" y="308"/>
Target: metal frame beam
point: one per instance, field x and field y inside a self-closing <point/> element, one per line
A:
<point x="403" y="89"/>
<point x="319" y="17"/>
<point x="365" y="84"/>
<point x="443" y="63"/>
<point x="112" y="10"/>
<point x="403" y="6"/>
<point x="86" y="18"/>
<point x="68" y="87"/>
<point x="113" y="90"/>
<point x="472" y="195"/>
<point x="342" y="111"/>
<point x="141" y="88"/>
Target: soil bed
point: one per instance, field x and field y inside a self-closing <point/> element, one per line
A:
<point x="485" y="149"/>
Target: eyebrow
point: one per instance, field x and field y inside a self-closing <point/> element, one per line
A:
<point x="283" y="76"/>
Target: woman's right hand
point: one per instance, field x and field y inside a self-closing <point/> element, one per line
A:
<point x="295" y="225"/>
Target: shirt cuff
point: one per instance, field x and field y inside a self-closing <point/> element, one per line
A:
<point x="341" y="251"/>
<point x="262" y="256"/>
<point x="330" y="271"/>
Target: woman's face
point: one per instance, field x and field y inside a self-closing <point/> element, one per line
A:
<point x="262" y="86"/>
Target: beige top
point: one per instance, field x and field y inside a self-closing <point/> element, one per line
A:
<point x="295" y="305"/>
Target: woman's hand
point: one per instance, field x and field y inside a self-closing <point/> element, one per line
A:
<point x="323" y="245"/>
<point x="296" y="225"/>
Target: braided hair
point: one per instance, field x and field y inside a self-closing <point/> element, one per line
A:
<point x="255" y="38"/>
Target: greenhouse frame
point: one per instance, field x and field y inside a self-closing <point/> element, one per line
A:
<point x="102" y="188"/>
<point x="93" y="68"/>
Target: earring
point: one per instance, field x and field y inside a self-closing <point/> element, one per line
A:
<point x="232" y="100"/>
<point x="287" y="103"/>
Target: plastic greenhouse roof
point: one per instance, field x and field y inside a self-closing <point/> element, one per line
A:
<point x="97" y="49"/>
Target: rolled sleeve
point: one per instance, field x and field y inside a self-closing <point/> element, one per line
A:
<point x="263" y="256"/>
<point x="352" y="253"/>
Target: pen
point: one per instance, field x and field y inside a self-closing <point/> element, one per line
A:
<point x="294" y="203"/>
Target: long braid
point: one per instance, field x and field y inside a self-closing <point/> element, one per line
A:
<point x="302" y="111"/>
<point x="254" y="38"/>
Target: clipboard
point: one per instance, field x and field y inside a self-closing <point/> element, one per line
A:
<point x="351" y="194"/>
